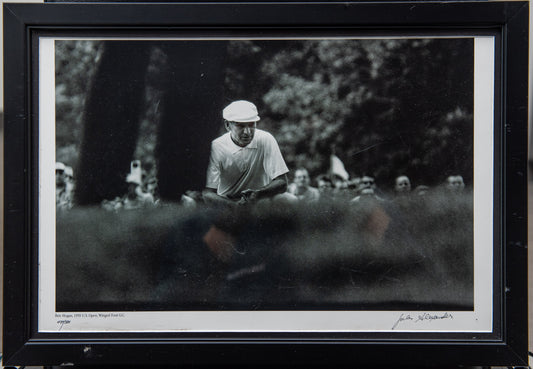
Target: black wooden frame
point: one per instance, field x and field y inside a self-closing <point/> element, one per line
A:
<point x="23" y="345"/>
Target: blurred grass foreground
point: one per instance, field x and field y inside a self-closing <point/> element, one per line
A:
<point x="401" y="254"/>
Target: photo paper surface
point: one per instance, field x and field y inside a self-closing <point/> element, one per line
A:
<point x="387" y="151"/>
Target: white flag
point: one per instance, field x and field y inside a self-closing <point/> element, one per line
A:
<point x="336" y="167"/>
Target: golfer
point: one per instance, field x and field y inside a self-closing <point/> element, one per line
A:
<point x="246" y="164"/>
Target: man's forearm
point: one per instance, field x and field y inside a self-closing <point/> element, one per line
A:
<point x="277" y="186"/>
<point x="213" y="198"/>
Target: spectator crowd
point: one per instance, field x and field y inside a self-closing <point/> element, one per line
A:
<point x="326" y="188"/>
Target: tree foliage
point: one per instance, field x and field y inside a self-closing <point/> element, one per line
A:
<point x="385" y="107"/>
<point x="75" y="66"/>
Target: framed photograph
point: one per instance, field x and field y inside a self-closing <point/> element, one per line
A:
<point x="264" y="183"/>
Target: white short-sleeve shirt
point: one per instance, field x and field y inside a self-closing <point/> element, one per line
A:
<point x="233" y="169"/>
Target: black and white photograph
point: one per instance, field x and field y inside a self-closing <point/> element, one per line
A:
<point x="266" y="183"/>
<point x="266" y="175"/>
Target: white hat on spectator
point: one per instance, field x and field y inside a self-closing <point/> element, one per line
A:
<point x="60" y="166"/>
<point x="132" y="178"/>
<point x="240" y="111"/>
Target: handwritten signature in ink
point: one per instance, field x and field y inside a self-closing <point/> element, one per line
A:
<point x="421" y="317"/>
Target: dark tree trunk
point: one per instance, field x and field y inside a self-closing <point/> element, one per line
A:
<point x="111" y="121"/>
<point x="191" y="115"/>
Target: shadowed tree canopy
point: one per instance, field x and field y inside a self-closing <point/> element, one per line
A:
<point x="115" y="106"/>
<point x="386" y="106"/>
